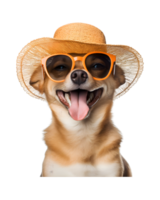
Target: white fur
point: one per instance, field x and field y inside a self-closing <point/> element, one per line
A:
<point x="52" y="169"/>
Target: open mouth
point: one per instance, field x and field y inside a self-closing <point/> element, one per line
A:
<point x="79" y="101"/>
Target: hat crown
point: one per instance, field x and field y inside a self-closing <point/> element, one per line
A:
<point x="80" y="32"/>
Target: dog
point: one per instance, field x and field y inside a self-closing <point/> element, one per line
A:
<point x="87" y="147"/>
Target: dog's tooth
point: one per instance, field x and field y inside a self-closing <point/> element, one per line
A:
<point x="88" y="100"/>
<point x="67" y="98"/>
<point x="91" y="95"/>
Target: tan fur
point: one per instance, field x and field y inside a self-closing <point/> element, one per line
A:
<point x="82" y="148"/>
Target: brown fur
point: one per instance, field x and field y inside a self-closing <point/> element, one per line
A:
<point x="127" y="171"/>
<point x="94" y="140"/>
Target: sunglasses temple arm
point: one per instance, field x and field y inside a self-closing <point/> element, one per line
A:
<point x="42" y="72"/>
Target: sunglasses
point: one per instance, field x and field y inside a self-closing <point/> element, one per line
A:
<point x="98" y="64"/>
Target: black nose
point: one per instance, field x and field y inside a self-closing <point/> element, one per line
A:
<point x="79" y="76"/>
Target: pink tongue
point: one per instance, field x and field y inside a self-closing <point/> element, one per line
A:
<point x="79" y="108"/>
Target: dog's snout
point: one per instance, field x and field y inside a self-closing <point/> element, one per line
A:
<point x="79" y="77"/>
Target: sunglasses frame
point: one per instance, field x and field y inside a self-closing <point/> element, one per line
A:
<point x="77" y="58"/>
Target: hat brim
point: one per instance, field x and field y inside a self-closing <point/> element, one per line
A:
<point x="30" y="58"/>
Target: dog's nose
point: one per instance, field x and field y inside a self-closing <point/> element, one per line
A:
<point x="79" y="76"/>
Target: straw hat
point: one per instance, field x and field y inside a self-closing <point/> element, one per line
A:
<point x="77" y="38"/>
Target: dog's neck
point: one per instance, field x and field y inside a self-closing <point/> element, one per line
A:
<point x="78" y="140"/>
<point x="63" y="125"/>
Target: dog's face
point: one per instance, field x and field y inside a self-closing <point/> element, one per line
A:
<point x="80" y="96"/>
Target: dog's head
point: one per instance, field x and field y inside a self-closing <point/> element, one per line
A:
<point x="80" y="96"/>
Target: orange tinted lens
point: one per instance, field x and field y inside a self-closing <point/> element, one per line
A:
<point x="98" y="65"/>
<point x="58" y="66"/>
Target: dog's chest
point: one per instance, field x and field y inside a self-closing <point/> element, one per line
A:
<point x="55" y="170"/>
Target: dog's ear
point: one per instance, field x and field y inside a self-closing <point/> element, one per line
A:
<point x="119" y="76"/>
<point x="37" y="80"/>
